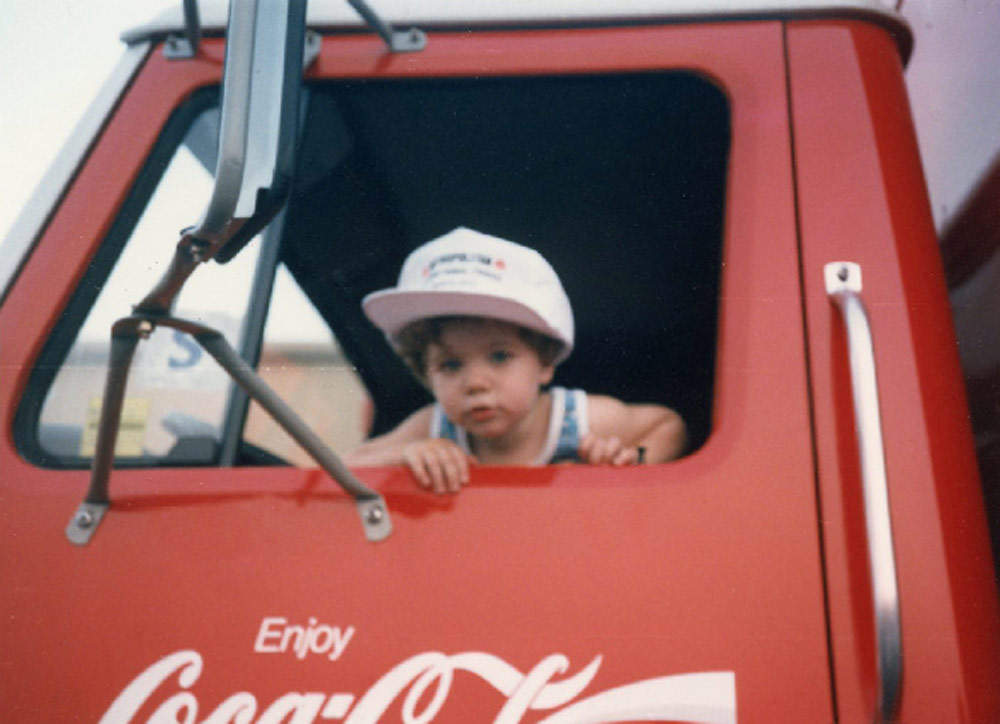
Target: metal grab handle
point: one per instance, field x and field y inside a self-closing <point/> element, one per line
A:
<point x="843" y="285"/>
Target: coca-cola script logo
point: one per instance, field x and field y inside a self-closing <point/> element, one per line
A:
<point x="424" y="682"/>
<point x="704" y="697"/>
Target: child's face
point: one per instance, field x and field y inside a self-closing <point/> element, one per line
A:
<point x="485" y="376"/>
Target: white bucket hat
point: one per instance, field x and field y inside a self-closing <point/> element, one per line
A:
<point x="468" y="273"/>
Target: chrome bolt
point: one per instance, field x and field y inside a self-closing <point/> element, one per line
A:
<point x="843" y="273"/>
<point x="198" y="250"/>
<point x="145" y="328"/>
<point x="374" y="515"/>
<point x="84" y="519"/>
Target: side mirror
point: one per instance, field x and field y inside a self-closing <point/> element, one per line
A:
<point x="253" y="176"/>
<point x="259" y="124"/>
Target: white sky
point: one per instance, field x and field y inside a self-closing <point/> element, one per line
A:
<point x="954" y="84"/>
<point x="54" y="55"/>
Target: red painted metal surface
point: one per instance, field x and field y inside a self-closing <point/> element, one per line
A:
<point x="862" y="199"/>
<point x="709" y="564"/>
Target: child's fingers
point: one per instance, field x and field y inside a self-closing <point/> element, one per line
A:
<point x="415" y="462"/>
<point x="626" y="456"/>
<point x="606" y="451"/>
<point x="593" y="451"/>
<point x="438" y="473"/>
<point x="599" y="451"/>
<point x="438" y="465"/>
<point x="442" y="469"/>
<point x="612" y="450"/>
<point x="425" y="468"/>
<point x="454" y="467"/>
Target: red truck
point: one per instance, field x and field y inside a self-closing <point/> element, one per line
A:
<point x="733" y="197"/>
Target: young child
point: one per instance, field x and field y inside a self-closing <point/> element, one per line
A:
<point x="484" y="322"/>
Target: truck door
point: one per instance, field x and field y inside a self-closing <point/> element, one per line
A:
<point x="653" y="166"/>
<point x="862" y="200"/>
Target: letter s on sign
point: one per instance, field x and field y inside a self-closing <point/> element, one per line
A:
<point x="188" y="345"/>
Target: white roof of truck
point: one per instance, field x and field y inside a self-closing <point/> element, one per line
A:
<point x="467" y="13"/>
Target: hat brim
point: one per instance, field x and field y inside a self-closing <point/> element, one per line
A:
<point x="392" y="309"/>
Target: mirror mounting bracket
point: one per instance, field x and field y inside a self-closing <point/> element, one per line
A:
<point x="265" y="49"/>
<point x="126" y="334"/>
<point x="178" y="47"/>
<point x="398" y="41"/>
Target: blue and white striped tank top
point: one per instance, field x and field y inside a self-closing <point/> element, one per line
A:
<point x="568" y="425"/>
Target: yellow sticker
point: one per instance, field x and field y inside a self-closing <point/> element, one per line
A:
<point x="131" y="430"/>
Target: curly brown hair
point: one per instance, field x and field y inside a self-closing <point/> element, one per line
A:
<point x="413" y="340"/>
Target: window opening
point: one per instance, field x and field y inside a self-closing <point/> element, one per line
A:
<point x="177" y="394"/>
<point x="303" y="362"/>
<point x="618" y="180"/>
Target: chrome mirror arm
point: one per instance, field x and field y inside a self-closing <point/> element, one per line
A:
<point x="125" y="336"/>
<point x="257" y="137"/>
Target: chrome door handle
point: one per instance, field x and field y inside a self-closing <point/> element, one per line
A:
<point x="843" y="285"/>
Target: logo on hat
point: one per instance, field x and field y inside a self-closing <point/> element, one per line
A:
<point x="466" y="272"/>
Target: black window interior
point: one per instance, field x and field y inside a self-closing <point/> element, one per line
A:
<point x="618" y="180"/>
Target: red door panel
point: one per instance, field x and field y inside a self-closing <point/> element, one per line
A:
<point x="862" y="199"/>
<point x="708" y="568"/>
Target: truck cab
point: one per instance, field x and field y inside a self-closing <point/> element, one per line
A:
<point x="733" y="198"/>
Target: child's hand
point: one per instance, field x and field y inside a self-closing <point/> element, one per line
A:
<point x="607" y="451"/>
<point x="438" y="464"/>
